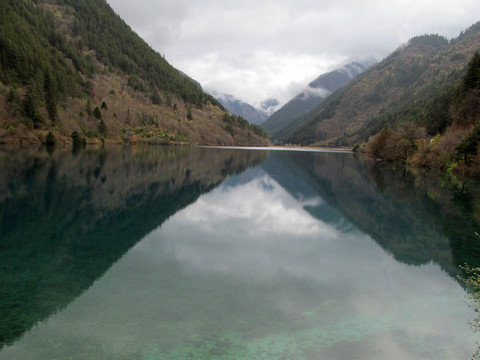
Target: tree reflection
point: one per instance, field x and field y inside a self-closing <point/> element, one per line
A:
<point x="65" y="217"/>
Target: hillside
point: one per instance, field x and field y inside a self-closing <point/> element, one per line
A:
<point x="240" y="108"/>
<point x="311" y="97"/>
<point x="75" y="66"/>
<point x="414" y="84"/>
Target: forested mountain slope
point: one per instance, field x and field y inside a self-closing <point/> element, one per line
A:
<point x="311" y="97"/>
<point x="415" y="84"/>
<point x="74" y="66"/>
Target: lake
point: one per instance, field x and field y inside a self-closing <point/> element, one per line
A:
<point x="204" y="253"/>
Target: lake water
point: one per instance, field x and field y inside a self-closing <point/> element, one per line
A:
<point x="198" y="253"/>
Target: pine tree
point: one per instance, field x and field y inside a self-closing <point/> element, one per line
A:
<point x="102" y="128"/>
<point x="30" y="108"/>
<point x="471" y="79"/>
<point x="97" y="113"/>
<point x="50" y="96"/>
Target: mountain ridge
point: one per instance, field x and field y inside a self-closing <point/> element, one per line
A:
<point x="240" y="108"/>
<point x="291" y="114"/>
<point x="414" y="84"/>
<point x="76" y="67"/>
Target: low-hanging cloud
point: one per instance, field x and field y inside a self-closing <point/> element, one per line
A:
<point x="309" y="92"/>
<point x="256" y="49"/>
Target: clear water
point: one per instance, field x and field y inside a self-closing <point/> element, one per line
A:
<point x="195" y="253"/>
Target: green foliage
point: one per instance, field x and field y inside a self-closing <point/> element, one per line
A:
<point x="449" y="151"/>
<point x="50" y="139"/>
<point x="102" y="128"/>
<point x="155" y="97"/>
<point x="467" y="95"/>
<point x="91" y="133"/>
<point x="471" y="80"/>
<point x="30" y="45"/>
<point x="50" y="95"/>
<point x="77" y="139"/>
<point x="50" y="49"/>
<point x="469" y="145"/>
<point x="118" y="46"/>
<point x="238" y="121"/>
<point x="258" y="130"/>
<point x="30" y="108"/>
<point x="88" y="107"/>
<point x="147" y="119"/>
<point x="12" y="96"/>
<point x="97" y="113"/>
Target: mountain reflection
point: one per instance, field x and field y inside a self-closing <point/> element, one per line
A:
<point x="300" y="255"/>
<point x="413" y="216"/>
<point x="66" y="218"/>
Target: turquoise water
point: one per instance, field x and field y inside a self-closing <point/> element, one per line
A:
<point x="197" y="253"/>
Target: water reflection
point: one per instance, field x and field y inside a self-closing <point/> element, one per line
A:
<point x="280" y="262"/>
<point x="66" y="218"/>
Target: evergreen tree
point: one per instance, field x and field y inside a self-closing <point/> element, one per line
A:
<point x="12" y="96"/>
<point x="30" y="108"/>
<point x="97" y="113"/>
<point x="50" y="139"/>
<point x="155" y="97"/>
<point x="102" y="128"/>
<point x="469" y="145"/>
<point x="50" y="96"/>
<point x="471" y="80"/>
<point x="89" y="107"/>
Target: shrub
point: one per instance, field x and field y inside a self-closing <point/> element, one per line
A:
<point x="50" y="139"/>
<point x="77" y="138"/>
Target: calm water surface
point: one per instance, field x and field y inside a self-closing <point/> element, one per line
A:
<point x="197" y="253"/>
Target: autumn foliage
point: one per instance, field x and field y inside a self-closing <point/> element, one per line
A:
<point x="455" y="150"/>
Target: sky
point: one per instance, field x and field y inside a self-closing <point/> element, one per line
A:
<point x="257" y="50"/>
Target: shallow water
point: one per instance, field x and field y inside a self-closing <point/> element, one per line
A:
<point x="198" y="253"/>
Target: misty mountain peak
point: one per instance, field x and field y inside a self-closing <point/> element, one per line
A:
<point x="313" y="95"/>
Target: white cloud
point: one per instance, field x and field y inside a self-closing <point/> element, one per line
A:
<point x="257" y="49"/>
<point x="314" y="92"/>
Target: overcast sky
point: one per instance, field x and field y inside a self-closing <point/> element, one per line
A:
<point x="255" y="49"/>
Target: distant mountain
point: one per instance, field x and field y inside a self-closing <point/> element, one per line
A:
<point x="415" y="84"/>
<point x="240" y="108"/>
<point x="75" y="67"/>
<point x="269" y="106"/>
<point x="312" y="96"/>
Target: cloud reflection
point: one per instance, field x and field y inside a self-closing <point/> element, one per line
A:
<point x="261" y="206"/>
<point x="248" y="265"/>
